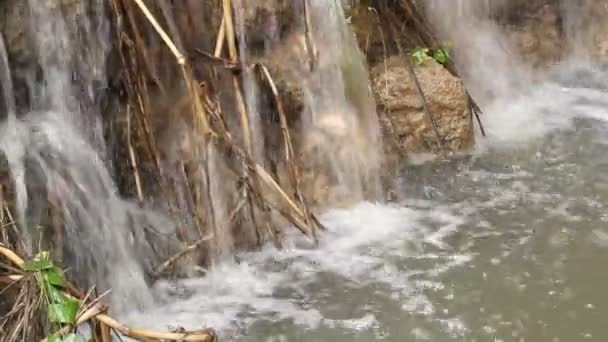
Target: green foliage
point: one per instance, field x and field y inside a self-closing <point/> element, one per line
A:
<point x="62" y="308"/>
<point x="66" y="338"/>
<point x="441" y="56"/>
<point x="420" y="55"/>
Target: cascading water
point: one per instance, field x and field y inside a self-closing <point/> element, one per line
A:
<point x="340" y="109"/>
<point x="487" y="62"/>
<point x="55" y="150"/>
<point x="338" y="126"/>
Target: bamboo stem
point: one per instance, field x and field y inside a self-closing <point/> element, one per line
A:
<point x="230" y="35"/>
<point x="181" y="60"/>
<point x="162" y="267"/>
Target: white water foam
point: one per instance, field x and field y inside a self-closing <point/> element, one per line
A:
<point x="362" y="249"/>
<point x="545" y="107"/>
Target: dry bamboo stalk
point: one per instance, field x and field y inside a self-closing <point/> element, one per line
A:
<point x="311" y="47"/>
<point x="240" y="102"/>
<point x="297" y="214"/>
<point x="205" y="336"/>
<point x="181" y="60"/>
<point x="300" y="221"/>
<point x="139" y="43"/>
<point x="162" y="267"/>
<point x="230" y="34"/>
<point x="290" y="154"/>
<point x="244" y="118"/>
<point x="219" y="43"/>
<point x="10" y="278"/>
<point x="138" y="188"/>
<point x="10" y="255"/>
<point x="105" y="333"/>
<point x="200" y="118"/>
<point x="232" y="51"/>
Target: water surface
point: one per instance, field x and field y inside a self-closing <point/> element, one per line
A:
<point x="506" y="244"/>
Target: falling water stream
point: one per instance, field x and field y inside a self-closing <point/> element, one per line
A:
<point x="507" y="243"/>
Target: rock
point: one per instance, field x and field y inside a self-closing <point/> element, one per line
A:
<point x="589" y="31"/>
<point x="266" y="22"/>
<point x="15" y="27"/>
<point x="537" y="36"/>
<point x="403" y="110"/>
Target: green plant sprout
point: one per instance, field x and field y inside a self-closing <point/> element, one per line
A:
<point x="62" y="309"/>
<point x="420" y="55"/>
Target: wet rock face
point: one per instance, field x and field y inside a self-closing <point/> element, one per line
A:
<point x="403" y="113"/>
<point x="546" y="31"/>
<point x="537" y="37"/>
<point x="18" y="30"/>
<point x="14" y="26"/>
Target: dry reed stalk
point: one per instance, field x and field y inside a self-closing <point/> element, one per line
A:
<point x="311" y="47"/>
<point x="230" y="34"/>
<point x="136" y="87"/>
<point x="289" y="151"/>
<point x="105" y="333"/>
<point x="133" y="158"/>
<point x="202" y="107"/>
<point x="246" y="128"/>
<point x="96" y="311"/>
<point x="169" y="262"/>
<point x="10" y="278"/>
<point x="181" y="60"/>
<point x="139" y="43"/>
<point x="219" y="44"/>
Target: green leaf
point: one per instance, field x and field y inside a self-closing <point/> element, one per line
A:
<point x="71" y="338"/>
<point x="54" y="338"/>
<point x="40" y="262"/>
<point x="55" y="295"/>
<point x="441" y="56"/>
<point x="64" y="312"/>
<point x="420" y="55"/>
<point x="54" y="276"/>
<point x="68" y="338"/>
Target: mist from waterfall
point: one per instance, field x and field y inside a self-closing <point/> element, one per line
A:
<point x="490" y="65"/>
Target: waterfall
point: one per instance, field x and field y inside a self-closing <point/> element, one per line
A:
<point x="66" y="198"/>
<point x="339" y="107"/>
<point x="6" y="81"/>
<point x="486" y="61"/>
<point x="337" y="128"/>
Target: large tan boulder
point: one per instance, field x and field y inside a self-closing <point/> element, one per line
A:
<point x="403" y="112"/>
